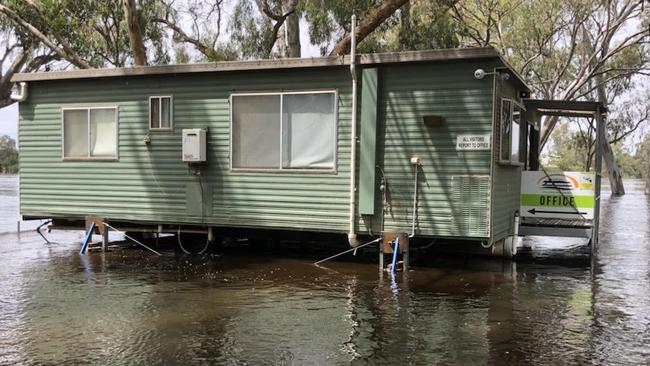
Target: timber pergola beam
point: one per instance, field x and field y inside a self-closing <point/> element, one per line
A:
<point x="562" y="108"/>
<point x="564" y="105"/>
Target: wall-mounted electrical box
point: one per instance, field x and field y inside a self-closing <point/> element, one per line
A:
<point x="193" y="145"/>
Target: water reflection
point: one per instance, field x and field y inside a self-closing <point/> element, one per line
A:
<point x="130" y="307"/>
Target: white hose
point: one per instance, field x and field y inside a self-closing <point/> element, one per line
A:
<point x="415" y="202"/>
<point x="178" y="237"/>
<point x="126" y="236"/>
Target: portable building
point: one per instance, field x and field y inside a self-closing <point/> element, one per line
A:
<point x="439" y="141"/>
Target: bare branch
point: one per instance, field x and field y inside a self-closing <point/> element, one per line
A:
<point x="204" y="49"/>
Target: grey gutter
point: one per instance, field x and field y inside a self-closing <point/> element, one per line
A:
<point x="289" y="63"/>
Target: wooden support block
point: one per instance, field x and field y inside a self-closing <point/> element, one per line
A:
<point x="99" y="224"/>
<point x="389" y="238"/>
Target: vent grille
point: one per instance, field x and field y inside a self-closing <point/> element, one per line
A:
<point x="471" y="202"/>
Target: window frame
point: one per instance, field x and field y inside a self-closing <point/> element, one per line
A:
<point x="280" y="168"/>
<point x="171" y="112"/>
<point x="89" y="157"/>
<point x="522" y="123"/>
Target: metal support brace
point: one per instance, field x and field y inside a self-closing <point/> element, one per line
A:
<point x="600" y="139"/>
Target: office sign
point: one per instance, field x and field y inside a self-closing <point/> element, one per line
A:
<point x="566" y="195"/>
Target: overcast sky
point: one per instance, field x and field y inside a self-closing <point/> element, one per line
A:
<point x="9" y="121"/>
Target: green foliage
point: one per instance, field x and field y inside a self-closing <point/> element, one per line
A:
<point x="642" y="158"/>
<point x="422" y="24"/>
<point x="425" y="25"/>
<point x="94" y="30"/>
<point x="630" y="166"/>
<point x="567" y="151"/>
<point x="8" y="155"/>
<point x="248" y="30"/>
<point x="329" y="20"/>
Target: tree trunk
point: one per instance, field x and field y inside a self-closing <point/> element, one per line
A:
<point x="548" y="124"/>
<point x="614" y="172"/>
<point x="281" y="42"/>
<point x="647" y="177"/>
<point x="405" y="26"/>
<point x="135" y="35"/>
<point x="368" y="24"/>
<point x="292" y="40"/>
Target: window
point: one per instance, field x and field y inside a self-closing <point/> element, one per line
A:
<point x="160" y="113"/>
<point x="506" y="118"/>
<point x="512" y="147"/>
<point x="515" y="141"/>
<point x="90" y="133"/>
<point x="284" y="131"/>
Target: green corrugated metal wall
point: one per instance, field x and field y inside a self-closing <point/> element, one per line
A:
<point x="407" y="93"/>
<point x="149" y="182"/>
<point x="506" y="180"/>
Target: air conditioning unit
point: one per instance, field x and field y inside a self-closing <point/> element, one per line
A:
<point x="193" y="145"/>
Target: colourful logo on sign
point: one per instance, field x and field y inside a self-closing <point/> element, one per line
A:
<point x="560" y="195"/>
<point x="559" y="182"/>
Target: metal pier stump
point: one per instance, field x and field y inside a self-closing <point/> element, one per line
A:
<point x="104" y="238"/>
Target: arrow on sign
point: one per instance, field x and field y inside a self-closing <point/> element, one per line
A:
<point x="533" y="211"/>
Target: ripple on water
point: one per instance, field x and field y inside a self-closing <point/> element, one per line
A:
<point x="131" y="307"/>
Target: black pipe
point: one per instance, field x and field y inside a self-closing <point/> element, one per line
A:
<point x="38" y="230"/>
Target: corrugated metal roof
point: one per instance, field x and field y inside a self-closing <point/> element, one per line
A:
<point x="287" y="63"/>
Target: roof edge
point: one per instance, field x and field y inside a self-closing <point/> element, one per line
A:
<point x="288" y="63"/>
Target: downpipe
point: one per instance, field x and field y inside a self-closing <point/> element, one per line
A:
<point x="352" y="235"/>
<point x="19" y="94"/>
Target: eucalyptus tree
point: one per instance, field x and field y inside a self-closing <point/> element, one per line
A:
<point x="256" y="27"/>
<point x="195" y="29"/>
<point x="81" y="34"/>
<point x="570" y="50"/>
<point x="270" y="28"/>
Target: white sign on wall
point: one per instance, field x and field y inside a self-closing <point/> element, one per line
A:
<point x="473" y="142"/>
<point x="566" y="195"/>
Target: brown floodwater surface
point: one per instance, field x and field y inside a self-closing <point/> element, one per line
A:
<point x="130" y="307"/>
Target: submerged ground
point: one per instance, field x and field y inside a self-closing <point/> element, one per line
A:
<point x="131" y="307"/>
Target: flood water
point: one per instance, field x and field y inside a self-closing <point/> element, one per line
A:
<point x="132" y="307"/>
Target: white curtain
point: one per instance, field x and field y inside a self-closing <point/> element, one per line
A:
<point x="75" y="133"/>
<point x="103" y="132"/>
<point x="516" y="133"/>
<point x="256" y="131"/>
<point x="309" y="130"/>
<point x="165" y="114"/>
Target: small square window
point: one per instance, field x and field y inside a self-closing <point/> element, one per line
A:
<point x="161" y="113"/>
